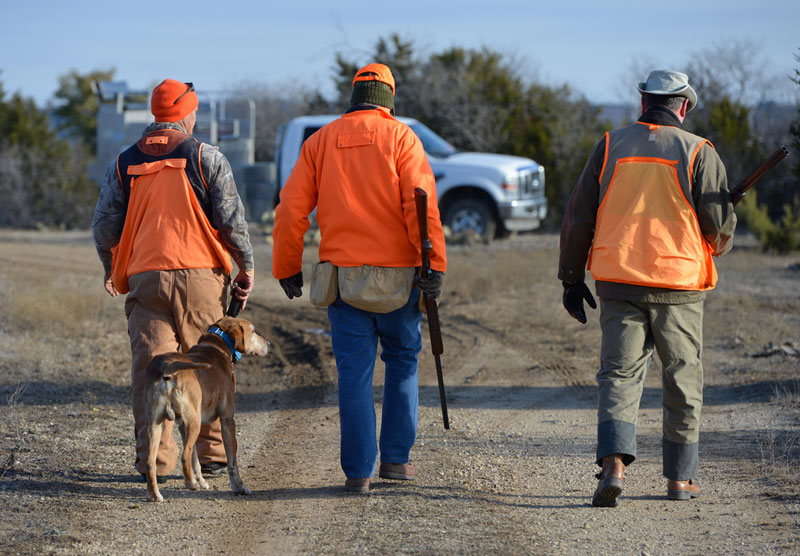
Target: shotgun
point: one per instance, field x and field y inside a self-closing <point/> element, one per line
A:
<point x="421" y="198"/>
<point x="738" y="193"/>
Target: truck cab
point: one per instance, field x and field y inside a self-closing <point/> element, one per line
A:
<point x="489" y="195"/>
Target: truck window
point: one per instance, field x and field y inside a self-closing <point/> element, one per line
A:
<point x="432" y="143"/>
<point x="308" y="132"/>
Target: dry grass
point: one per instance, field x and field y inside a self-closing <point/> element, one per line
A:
<point x="780" y="445"/>
<point x="13" y="399"/>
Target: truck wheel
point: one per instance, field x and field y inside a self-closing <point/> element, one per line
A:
<point x="471" y="216"/>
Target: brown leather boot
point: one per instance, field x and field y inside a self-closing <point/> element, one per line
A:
<point x="397" y="471"/>
<point x="610" y="486"/>
<point x="357" y="486"/>
<point x="683" y="490"/>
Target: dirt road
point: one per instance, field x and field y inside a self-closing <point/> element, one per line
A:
<point x="514" y="475"/>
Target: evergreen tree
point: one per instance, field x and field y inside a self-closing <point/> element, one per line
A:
<point x="77" y="114"/>
<point x="43" y="182"/>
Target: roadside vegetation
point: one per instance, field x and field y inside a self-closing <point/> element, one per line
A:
<point x="477" y="99"/>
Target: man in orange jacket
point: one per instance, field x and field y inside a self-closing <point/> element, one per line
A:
<point x="360" y="172"/>
<point x="649" y="212"/>
<point x="166" y="224"/>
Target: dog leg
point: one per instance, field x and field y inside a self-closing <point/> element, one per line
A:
<point x="154" y="437"/>
<point x="231" y="447"/>
<point x="198" y="471"/>
<point x="190" y="430"/>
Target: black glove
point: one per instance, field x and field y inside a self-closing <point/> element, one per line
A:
<point x="293" y="285"/>
<point x="431" y="285"/>
<point x="574" y="294"/>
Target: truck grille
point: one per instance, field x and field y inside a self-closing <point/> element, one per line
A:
<point x="531" y="182"/>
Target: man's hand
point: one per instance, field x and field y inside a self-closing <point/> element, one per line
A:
<point x="574" y="294"/>
<point x="293" y="285"/>
<point x="108" y="284"/>
<point x="242" y="286"/>
<point x="431" y="285"/>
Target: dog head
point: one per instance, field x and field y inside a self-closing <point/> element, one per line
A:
<point x="244" y="336"/>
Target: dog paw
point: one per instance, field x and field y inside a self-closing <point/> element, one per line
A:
<point x="192" y="486"/>
<point x="203" y="484"/>
<point x="242" y="489"/>
<point x="156" y="498"/>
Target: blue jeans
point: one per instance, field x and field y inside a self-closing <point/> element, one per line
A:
<point x="354" y="336"/>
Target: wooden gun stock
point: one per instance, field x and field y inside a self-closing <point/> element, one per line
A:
<point x="421" y="199"/>
<point x="738" y="193"/>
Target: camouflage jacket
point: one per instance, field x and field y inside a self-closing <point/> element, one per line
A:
<point x="226" y="207"/>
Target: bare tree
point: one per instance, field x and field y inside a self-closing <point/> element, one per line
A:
<point x="276" y="105"/>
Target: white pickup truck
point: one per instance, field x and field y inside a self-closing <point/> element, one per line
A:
<point x="486" y="194"/>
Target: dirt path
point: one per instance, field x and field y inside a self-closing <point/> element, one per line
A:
<point x="513" y="475"/>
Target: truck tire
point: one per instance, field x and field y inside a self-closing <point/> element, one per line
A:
<point x="471" y="216"/>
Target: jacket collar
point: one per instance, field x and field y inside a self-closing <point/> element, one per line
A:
<point x="370" y="108"/>
<point x="158" y="126"/>
<point x="660" y="115"/>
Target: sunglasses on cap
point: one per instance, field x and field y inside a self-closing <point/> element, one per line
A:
<point x="187" y="91"/>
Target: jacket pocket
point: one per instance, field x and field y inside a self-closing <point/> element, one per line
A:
<point x="355" y="139"/>
<point x="324" y="284"/>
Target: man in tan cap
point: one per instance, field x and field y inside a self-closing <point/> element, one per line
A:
<point x="167" y="223"/>
<point x="649" y="212"/>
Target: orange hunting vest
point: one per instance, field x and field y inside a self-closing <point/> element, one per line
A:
<point x="166" y="227"/>
<point x="647" y="232"/>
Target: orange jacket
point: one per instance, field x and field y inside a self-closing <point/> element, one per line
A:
<point x="165" y="226"/>
<point x="360" y="172"/>
<point x="647" y="232"/>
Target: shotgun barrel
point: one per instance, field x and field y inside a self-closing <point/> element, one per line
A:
<point x="421" y="199"/>
<point x="738" y="193"/>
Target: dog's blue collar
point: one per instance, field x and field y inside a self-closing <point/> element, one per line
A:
<point x="235" y="355"/>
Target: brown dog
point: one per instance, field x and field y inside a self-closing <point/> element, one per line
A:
<point x="199" y="386"/>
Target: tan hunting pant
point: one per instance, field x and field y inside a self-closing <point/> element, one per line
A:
<point x="168" y="310"/>
<point x="631" y="332"/>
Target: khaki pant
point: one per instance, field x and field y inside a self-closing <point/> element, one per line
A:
<point x="631" y="331"/>
<point x="168" y="310"/>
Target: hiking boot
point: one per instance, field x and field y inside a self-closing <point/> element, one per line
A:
<point x="397" y="471"/>
<point x="357" y="486"/>
<point x="683" y="490"/>
<point x="213" y="468"/>
<point x="610" y="486"/>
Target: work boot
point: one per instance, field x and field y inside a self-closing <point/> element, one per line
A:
<point x="397" y="471"/>
<point x="357" y="486"/>
<point x="683" y="490"/>
<point x="213" y="468"/>
<point x="610" y="486"/>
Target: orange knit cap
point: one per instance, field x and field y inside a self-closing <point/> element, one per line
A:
<point x="167" y="104"/>
<point x="375" y="72"/>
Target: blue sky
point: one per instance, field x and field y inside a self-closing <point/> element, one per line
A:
<point x="590" y="45"/>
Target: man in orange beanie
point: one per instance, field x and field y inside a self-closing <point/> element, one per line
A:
<point x="360" y="172"/>
<point x="167" y="242"/>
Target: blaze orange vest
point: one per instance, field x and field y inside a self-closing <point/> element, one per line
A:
<point x="166" y="227"/>
<point x="647" y="232"/>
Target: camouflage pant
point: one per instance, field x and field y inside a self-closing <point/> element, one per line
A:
<point x="631" y="331"/>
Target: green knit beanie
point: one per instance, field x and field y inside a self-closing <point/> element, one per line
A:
<point x="372" y="92"/>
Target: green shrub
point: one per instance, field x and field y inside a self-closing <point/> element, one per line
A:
<point x="782" y="236"/>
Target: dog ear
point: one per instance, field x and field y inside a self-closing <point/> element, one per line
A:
<point x="236" y="333"/>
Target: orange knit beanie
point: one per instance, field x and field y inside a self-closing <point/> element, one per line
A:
<point x="173" y="100"/>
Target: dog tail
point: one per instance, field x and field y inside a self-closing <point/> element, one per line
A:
<point x="172" y="368"/>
